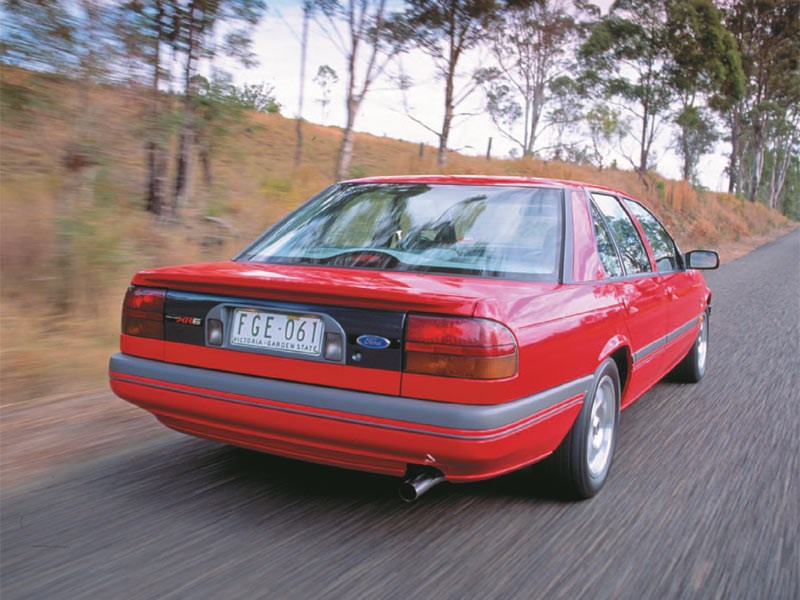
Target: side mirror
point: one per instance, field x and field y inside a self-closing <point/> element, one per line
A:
<point x="702" y="259"/>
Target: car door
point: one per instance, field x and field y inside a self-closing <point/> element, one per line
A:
<point x="683" y="289"/>
<point x="641" y="291"/>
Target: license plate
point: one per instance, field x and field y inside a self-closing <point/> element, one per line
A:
<point x="291" y="333"/>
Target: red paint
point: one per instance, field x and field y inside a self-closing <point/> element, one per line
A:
<point x="559" y="332"/>
<point x="372" y="444"/>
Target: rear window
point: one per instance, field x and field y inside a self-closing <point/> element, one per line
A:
<point x="490" y="231"/>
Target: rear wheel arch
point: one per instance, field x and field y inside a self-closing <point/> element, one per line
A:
<point x="623" y="358"/>
<point x="619" y="351"/>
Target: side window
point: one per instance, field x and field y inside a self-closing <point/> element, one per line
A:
<point x="630" y="245"/>
<point x="664" y="249"/>
<point x="605" y="245"/>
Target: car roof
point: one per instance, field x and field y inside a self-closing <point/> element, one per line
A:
<point x="483" y="180"/>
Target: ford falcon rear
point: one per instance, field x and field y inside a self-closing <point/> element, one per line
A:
<point x="418" y="327"/>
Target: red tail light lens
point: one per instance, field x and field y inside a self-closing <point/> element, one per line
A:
<point x="143" y="312"/>
<point x="458" y="347"/>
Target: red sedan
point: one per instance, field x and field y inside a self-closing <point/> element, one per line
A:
<point x="436" y="328"/>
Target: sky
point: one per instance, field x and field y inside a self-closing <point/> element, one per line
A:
<point x="384" y="112"/>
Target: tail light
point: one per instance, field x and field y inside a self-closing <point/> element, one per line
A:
<point x="143" y="312"/>
<point x="458" y="347"/>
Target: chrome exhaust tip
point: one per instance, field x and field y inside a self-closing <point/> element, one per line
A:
<point x="414" y="486"/>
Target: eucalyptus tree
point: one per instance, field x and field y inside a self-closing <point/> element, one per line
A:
<point x="626" y="59"/>
<point x="705" y="71"/>
<point x="446" y="30"/>
<point x="325" y="78"/>
<point x="196" y="41"/>
<point x="173" y="38"/>
<point x="783" y="149"/>
<point x="532" y="47"/>
<point x="767" y="33"/>
<point x="367" y="38"/>
<point x="148" y="30"/>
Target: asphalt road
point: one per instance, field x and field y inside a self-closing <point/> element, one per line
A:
<point x="703" y="500"/>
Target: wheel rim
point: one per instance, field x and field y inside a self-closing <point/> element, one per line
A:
<point x="702" y="345"/>
<point x="601" y="429"/>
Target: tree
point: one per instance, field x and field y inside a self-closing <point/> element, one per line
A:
<point x="705" y="67"/>
<point x="196" y="42"/>
<point x="171" y="37"/>
<point x="606" y="130"/>
<point x="445" y="30"/>
<point x="767" y="33"/>
<point x="256" y="97"/>
<point x="627" y="58"/>
<point x="367" y="38"/>
<point x="530" y="45"/>
<point x="325" y="78"/>
<point x="148" y="30"/>
<point x="565" y="115"/>
<point x="76" y="43"/>
<point x="783" y="151"/>
<point x="695" y="137"/>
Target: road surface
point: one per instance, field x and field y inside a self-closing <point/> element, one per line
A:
<point x="703" y="500"/>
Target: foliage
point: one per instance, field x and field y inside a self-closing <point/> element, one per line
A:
<point x="606" y="129"/>
<point x="361" y="30"/>
<point x="445" y="30"/>
<point x="256" y="98"/>
<point x="325" y="78"/>
<point x="53" y="36"/>
<point x="767" y="33"/>
<point x="531" y="46"/>
<point x="706" y="67"/>
<point x="695" y="136"/>
<point x="627" y="59"/>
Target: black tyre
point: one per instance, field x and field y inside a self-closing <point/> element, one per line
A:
<point x="693" y="366"/>
<point x="583" y="459"/>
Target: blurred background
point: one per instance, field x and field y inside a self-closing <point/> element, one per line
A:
<point x="143" y="133"/>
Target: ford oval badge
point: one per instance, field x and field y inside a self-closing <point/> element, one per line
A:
<point x="373" y="342"/>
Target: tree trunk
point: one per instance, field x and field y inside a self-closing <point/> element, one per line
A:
<point x="779" y="171"/>
<point x="156" y="169"/>
<point x="758" y="158"/>
<point x="733" y="162"/>
<point x="183" y="169"/>
<point x="643" y="143"/>
<point x="205" y="161"/>
<point x="444" y="135"/>
<point x="688" y="159"/>
<point x="298" y="151"/>
<point x="346" y="149"/>
<point x="441" y="153"/>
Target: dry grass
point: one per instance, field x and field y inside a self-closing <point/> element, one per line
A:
<point x="70" y="240"/>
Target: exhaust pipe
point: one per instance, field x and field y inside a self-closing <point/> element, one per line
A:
<point x="416" y="485"/>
